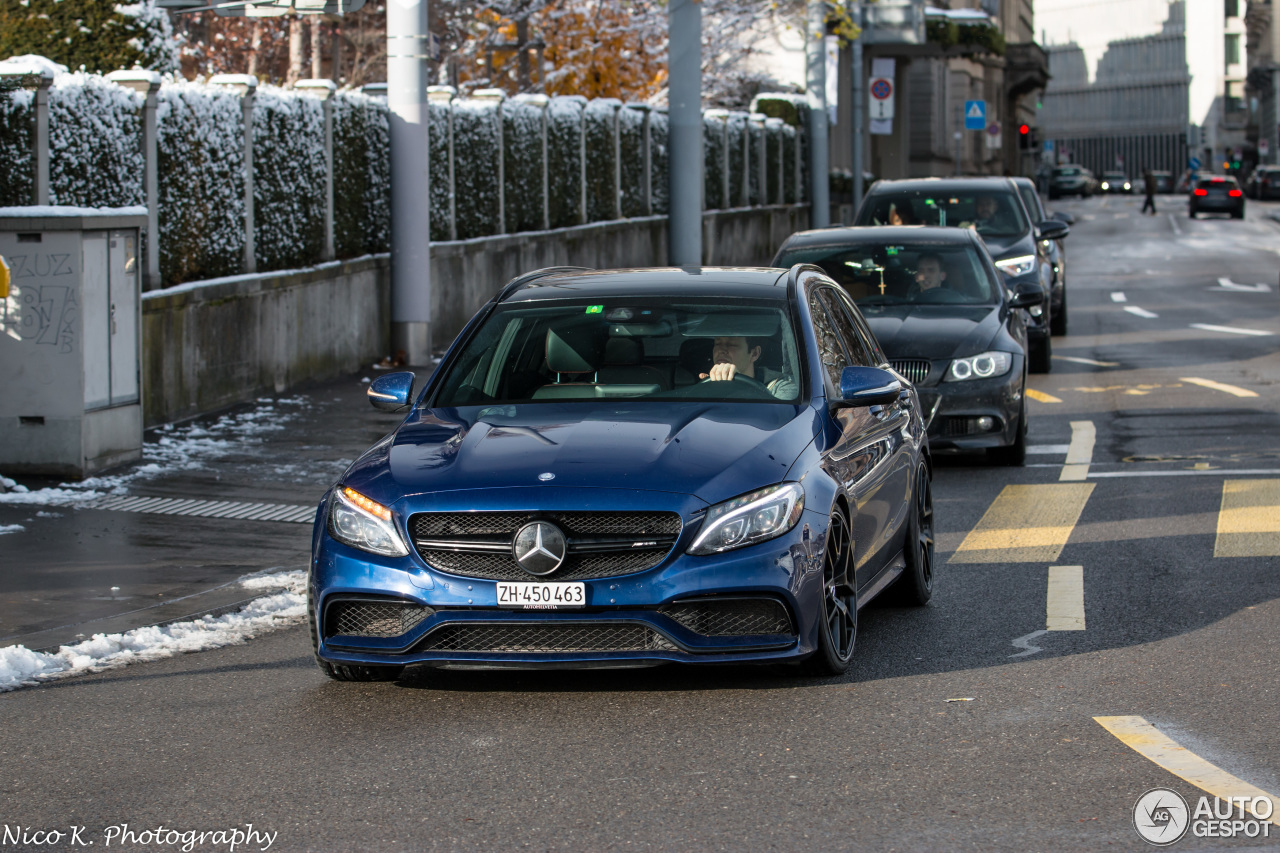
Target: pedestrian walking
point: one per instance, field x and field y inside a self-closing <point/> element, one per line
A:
<point x="1150" y="186"/>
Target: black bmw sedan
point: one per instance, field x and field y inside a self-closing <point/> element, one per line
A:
<point x="942" y="314"/>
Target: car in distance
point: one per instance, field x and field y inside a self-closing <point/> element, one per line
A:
<point x="1164" y="181"/>
<point x="1055" y="252"/>
<point x="994" y="209"/>
<point x="939" y="308"/>
<point x="1263" y="183"/>
<point x="1216" y="194"/>
<point x="1071" y="180"/>
<point x="584" y="482"/>
<point x="1116" y="183"/>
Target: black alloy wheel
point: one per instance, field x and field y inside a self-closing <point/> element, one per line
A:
<point x="339" y="672"/>
<point x="1041" y="353"/>
<point x="838" y="610"/>
<point x="1058" y="323"/>
<point x="914" y="587"/>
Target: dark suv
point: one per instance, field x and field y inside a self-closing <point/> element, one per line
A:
<point x="993" y="208"/>
<point x="1072" y="180"/>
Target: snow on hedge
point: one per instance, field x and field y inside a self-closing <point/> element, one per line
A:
<point x="564" y="153"/>
<point x="475" y="145"/>
<point x="95" y="142"/>
<point x="361" y="175"/>
<point x="522" y="163"/>
<point x="631" y="139"/>
<point x="17" y="180"/>
<point x="288" y="178"/>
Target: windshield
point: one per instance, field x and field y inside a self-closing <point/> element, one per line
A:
<point x="1066" y="172"/>
<point x="627" y="349"/>
<point x="916" y="273"/>
<point x="1031" y="200"/>
<point x="992" y="213"/>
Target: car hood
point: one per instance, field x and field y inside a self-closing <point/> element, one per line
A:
<point x="1010" y="247"/>
<point x="933" y="331"/>
<point x="713" y="451"/>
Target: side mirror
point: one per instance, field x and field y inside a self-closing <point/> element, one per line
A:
<point x="1052" y="229"/>
<point x="1026" y="297"/>
<point x="868" y="386"/>
<point x="391" y="391"/>
<point x="1063" y="217"/>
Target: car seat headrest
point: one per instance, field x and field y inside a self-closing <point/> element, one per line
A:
<point x="623" y="351"/>
<point x="573" y="350"/>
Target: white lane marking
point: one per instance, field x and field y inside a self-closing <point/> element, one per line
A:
<point x="1079" y="452"/>
<point x="1047" y="449"/>
<point x="1141" y="312"/>
<point x="1118" y="297"/>
<point x="1231" y="330"/>
<point x="1064" y="608"/>
<point x="1095" y="363"/>
<point x="1024" y="643"/>
<point x="1229" y="285"/>
<point x="1221" y="472"/>
<point x="1174" y="223"/>
<point x="1233" y="390"/>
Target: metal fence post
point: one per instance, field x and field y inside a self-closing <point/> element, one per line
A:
<point x="582" y="164"/>
<point x="746" y="161"/>
<point x="545" y="102"/>
<point x="41" y="137"/>
<point x="246" y="85"/>
<point x="762" y="163"/>
<point x="617" y="161"/>
<point x="147" y="83"/>
<point x="445" y="95"/>
<point x="325" y="89"/>
<point x="775" y="124"/>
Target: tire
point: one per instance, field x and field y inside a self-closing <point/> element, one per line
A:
<point x="1235" y="215"/>
<point x="838" y="606"/>
<point x="1191" y="213"/>
<point x="1058" y="322"/>
<point x="340" y="672"/>
<point x="1013" y="455"/>
<point x="1041" y="355"/>
<point x="914" y="587"/>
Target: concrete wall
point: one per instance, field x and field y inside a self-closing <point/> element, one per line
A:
<point x="208" y="345"/>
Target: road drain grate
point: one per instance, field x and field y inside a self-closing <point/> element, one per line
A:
<point x="243" y="510"/>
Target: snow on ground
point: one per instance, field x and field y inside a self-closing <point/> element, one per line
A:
<point x="11" y="528"/>
<point x="175" y="448"/>
<point x="21" y="667"/>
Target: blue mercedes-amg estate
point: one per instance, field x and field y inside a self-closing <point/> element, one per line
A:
<point x="626" y="468"/>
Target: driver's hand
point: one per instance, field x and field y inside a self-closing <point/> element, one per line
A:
<point x="720" y="372"/>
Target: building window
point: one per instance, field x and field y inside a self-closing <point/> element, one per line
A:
<point x="1234" y="100"/>
<point x="1232" y="48"/>
<point x="1232" y="8"/>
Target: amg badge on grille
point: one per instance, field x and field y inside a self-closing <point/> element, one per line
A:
<point x="539" y="547"/>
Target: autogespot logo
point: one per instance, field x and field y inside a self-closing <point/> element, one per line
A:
<point x="1161" y="816"/>
<point x="539" y="548"/>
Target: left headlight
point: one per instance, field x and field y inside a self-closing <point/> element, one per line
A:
<point x="749" y="519"/>
<point x="363" y="523"/>
<point x="1020" y="265"/>
<point x="981" y="366"/>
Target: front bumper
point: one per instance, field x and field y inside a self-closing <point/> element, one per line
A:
<point x="638" y="619"/>
<point x="955" y="408"/>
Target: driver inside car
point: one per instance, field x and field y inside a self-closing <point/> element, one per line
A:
<point x="736" y="356"/>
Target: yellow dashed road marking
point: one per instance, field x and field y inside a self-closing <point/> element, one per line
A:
<point x="1149" y="742"/>
<point x="1041" y="396"/>
<point x="1079" y="452"/>
<point x="1025" y="524"/>
<point x="1219" y="386"/>
<point x="1065" y="611"/>
<point x="1249" y="521"/>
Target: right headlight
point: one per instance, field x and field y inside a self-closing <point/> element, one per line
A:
<point x="981" y="366"/>
<point x="1017" y="266"/>
<point x="363" y="523"/>
<point x="749" y="519"/>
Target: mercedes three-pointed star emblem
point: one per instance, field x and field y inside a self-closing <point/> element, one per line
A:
<point x="539" y="547"/>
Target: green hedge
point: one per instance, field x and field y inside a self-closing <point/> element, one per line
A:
<point x="362" y="176"/>
<point x="17" y="181"/>
<point x="288" y="179"/>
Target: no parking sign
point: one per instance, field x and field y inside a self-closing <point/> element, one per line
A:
<point x="881" y="91"/>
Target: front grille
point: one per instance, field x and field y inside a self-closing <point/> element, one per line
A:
<point x="601" y="544"/>
<point x="545" y="638"/>
<point x="373" y="618"/>
<point x="914" y="370"/>
<point x="740" y="617"/>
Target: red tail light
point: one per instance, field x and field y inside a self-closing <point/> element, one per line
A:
<point x="1202" y="192"/>
<point x="1235" y="193"/>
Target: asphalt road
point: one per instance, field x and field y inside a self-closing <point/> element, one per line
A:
<point x="1178" y="627"/>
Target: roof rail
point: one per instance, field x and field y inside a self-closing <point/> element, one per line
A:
<point x="522" y="280"/>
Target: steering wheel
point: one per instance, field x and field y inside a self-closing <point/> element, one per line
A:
<point x="749" y="382"/>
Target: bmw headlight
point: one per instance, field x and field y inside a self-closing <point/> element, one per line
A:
<point x="1020" y="265"/>
<point x="981" y="366"/>
<point x="365" y="524"/>
<point x="749" y="519"/>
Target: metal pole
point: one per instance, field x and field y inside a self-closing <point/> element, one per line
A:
<point x="40" y="138"/>
<point x="816" y="81"/>
<point x="858" y="117"/>
<point x="407" y="78"/>
<point x="684" y="224"/>
<point x="147" y="84"/>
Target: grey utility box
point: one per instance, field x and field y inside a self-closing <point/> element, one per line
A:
<point x="70" y="340"/>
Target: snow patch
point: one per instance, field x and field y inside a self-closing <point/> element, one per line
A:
<point x="11" y="528"/>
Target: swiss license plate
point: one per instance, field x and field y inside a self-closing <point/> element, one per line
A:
<point x="542" y="596"/>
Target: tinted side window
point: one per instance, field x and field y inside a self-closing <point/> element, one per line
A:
<point x="830" y="352"/>
<point x="869" y="341"/>
<point x="859" y="354"/>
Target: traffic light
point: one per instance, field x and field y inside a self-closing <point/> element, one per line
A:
<point x="1028" y="137"/>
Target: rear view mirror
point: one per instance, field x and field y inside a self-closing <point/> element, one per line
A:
<point x="1063" y="217"/>
<point x="1052" y="229"/>
<point x="868" y="386"/>
<point x="391" y="391"/>
<point x="1026" y="297"/>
